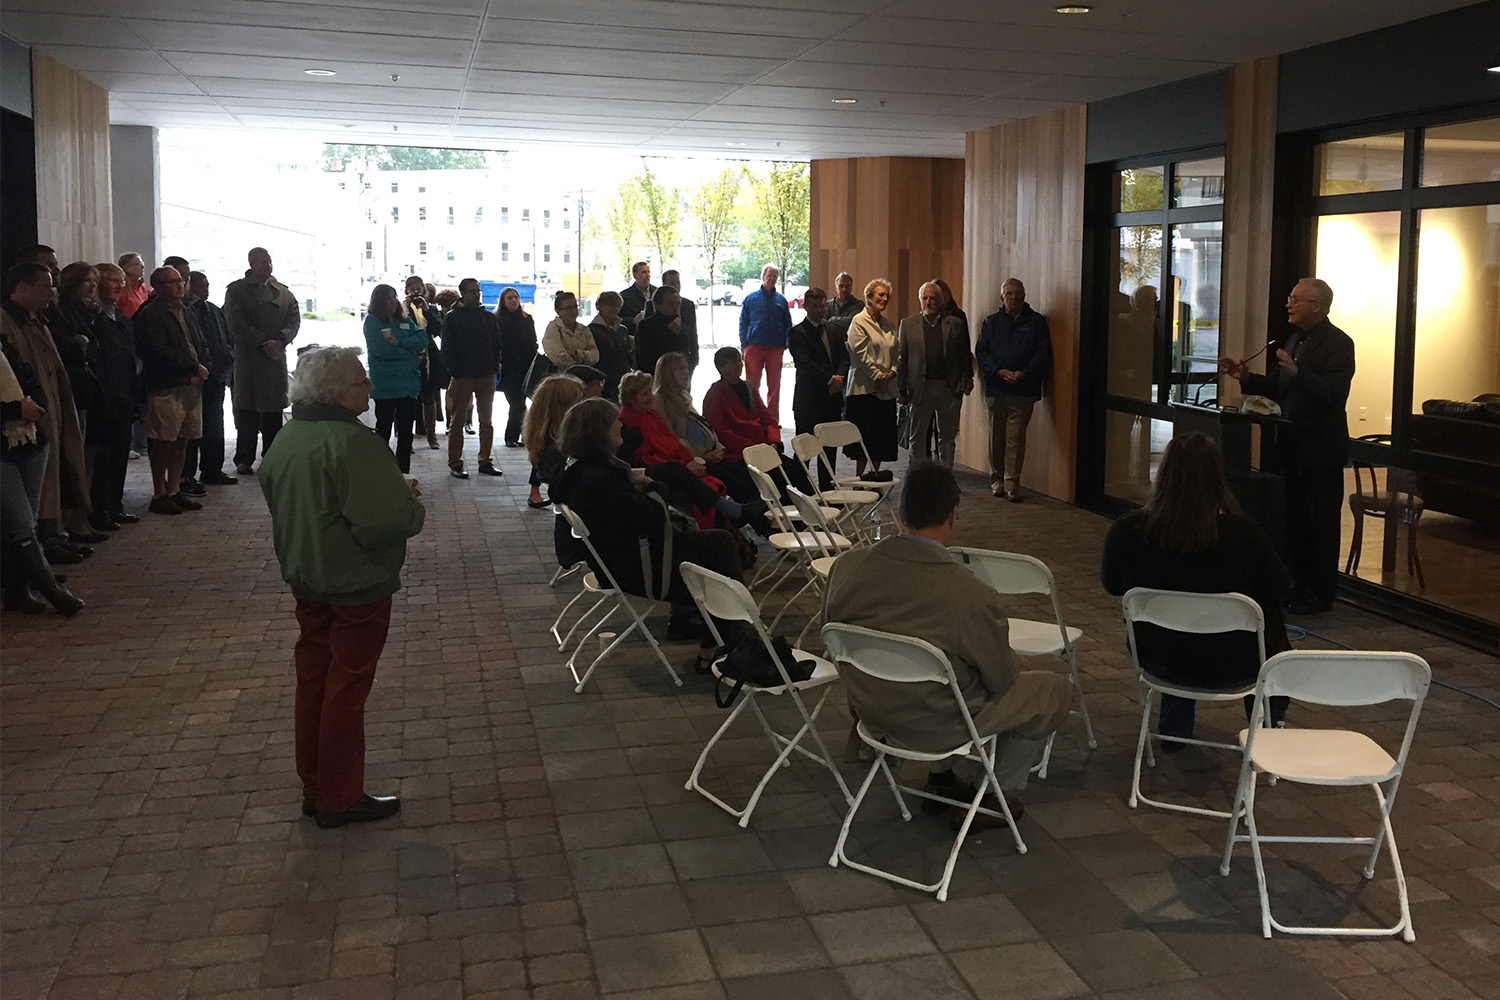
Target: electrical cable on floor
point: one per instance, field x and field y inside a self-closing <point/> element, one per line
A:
<point x="1296" y="633"/>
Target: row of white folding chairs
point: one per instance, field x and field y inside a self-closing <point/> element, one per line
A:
<point x="1327" y="757"/>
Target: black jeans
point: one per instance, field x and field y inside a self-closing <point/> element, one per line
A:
<point x="403" y="414"/>
<point x="109" y="429"/>
<point x="1314" y="477"/>
<point x="516" y="400"/>
<point x="250" y="425"/>
<point x="207" y="453"/>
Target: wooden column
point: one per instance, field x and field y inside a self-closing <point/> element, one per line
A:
<point x="893" y="217"/>
<point x="73" y="202"/>
<point x="1023" y="218"/>
<point x="1249" y="188"/>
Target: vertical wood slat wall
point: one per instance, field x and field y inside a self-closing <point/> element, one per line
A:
<point x="1023" y="218"/>
<point x="1249" y="190"/>
<point x="893" y="217"/>
<point x="73" y="200"/>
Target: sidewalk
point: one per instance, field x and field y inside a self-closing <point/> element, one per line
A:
<point x="153" y="846"/>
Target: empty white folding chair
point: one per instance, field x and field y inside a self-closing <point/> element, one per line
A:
<point x="850" y="503"/>
<point x="906" y="660"/>
<point x="818" y="558"/>
<point x="845" y="434"/>
<point x="765" y="458"/>
<point x="720" y="597"/>
<point x="791" y="542"/>
<point x="1181" y="611"/>
<point x="1015" y="573"/>
<point x="615" y="599"/>
<point x="1331" y="757"/>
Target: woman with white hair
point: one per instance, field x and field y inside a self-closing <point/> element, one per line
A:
<point x="341" y="512"/>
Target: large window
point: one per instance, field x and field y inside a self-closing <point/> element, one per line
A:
<point x="1163" y="253"/>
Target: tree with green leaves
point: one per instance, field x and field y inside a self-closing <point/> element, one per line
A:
<point x="660" y="214"/>
<point x="782" y="197"/>
<point x="405" y="157"/>
<point x="713" y="205"/>
<point x="622" y="216"/>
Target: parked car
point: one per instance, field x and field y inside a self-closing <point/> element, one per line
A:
<point x="794" y="294"/>
<point x="724" y="295"/>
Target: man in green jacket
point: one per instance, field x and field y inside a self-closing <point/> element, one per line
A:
<point x="341" y="513"/>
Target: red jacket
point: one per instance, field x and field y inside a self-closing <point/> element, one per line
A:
<point x="737" y="427"/>
<point x="659" y="443"/>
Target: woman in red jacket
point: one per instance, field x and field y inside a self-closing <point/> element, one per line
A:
<point x="665" y="458"/>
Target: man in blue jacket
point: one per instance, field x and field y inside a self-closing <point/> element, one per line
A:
<point x="765" y="321"/>
<point x="1014" y="353"/>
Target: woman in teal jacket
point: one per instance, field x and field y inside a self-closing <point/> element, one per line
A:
<point x="340" y="517"/>
<point x="392" y="342"/>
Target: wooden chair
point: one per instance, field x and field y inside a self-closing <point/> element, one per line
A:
<point x="1388" y="504"/>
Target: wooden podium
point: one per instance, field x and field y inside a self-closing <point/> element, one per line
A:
<point x="1262" y="495"/>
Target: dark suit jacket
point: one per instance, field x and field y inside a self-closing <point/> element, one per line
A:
<point x="1313" y="400"/>
<point x="812" y="403"/>
<point x="653" y="338"/>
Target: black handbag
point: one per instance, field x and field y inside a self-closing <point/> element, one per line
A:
<point x="749" y="662"/>
<point x="541" y="367"/>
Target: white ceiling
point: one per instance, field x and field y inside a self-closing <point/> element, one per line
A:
<point x="667" y="76"/>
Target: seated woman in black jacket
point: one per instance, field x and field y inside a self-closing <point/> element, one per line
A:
<point x="612" y="502"/>
<point x="554" y="397"/>
<point x="1191" y="536"/>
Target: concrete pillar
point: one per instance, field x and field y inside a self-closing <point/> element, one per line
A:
<point x="135" y="180"/>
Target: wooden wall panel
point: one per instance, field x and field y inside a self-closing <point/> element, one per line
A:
<point x="893" y="217"/>
<point x="1023" y="218"/>
<point x="1249" y="188"/>
<point x="73" y="200"/>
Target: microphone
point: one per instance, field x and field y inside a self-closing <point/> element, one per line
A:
<point x="1251" y="358"/>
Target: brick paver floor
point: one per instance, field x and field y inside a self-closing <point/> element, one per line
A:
<point x="153" y="847"/>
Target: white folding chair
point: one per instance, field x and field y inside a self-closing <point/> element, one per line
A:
<point x="766" y="459"/>
<point x="818" y="558"/>
<point x="844" y="434"/>
<point x="788" y="541"/>
<point x="720" y="597"/>
<point x="851" y="503"/>
<point x="608" y="589"/>
<point x="1334" y="757"/>
<point x="906" y="660"/>
<point x="1014" y="573"/>
<point x="1185" y="612"/>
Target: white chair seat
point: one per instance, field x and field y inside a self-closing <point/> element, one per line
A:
<point x="1320" y="756"/>
<point x="824" y="672"/>
<point x="848" y="497"/>
<point x="794" y="540"/>
<point x="864" y="485"/>
<point x="824" y="566"/>
<point x="1031" y="638"/>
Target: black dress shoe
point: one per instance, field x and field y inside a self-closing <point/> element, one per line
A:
<point x="102" y="522"/>
<point x="86" y="537"/>
<point x="121" y="517"/>
<point x="60" y="553"/>
<point x="244" y="470"/>
<point x="488" y="469"/>
<point x="457" y="471"/>
<point x="164" y="505"/>
<point x="538" y="504"/>
<point x="219" y="479"/>
<point x="366" y="809"/>
<point x="192" y="488"/>
<point x="186" y="502"/>
<point x="1309" y="605"/>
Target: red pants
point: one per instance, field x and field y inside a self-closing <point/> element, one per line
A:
<point x="767" y="359"/>
<point x="335" y="656"/>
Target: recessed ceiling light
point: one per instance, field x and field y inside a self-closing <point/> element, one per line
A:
<point x="845" y="100"/>
<point x="1074" y="8"/>
<point x="1495" y="68"/>
<point x="734" y="143"/>
<point x="320" y="72"/>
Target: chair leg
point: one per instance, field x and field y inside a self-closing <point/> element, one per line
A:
<point x="890" y="779"/>
<point x="1142" y="744"/>
<point x="1357" y="542"/>
<point x="1260" y="863"/>
<point x="1413" y="558"/>
<point x="1083" y="705"/>
<point x="1234" y="815"/>
<point x="859" y="796"/>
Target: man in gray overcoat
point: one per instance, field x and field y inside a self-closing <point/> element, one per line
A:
<point x="909" y="584"/>
<point x="263" y="317"/>
<point x="934" y="373"/>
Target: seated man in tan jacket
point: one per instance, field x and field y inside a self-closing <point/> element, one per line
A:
<point x="910" y="585"/>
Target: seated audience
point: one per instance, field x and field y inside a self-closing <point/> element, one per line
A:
<point x="340" y="517"/>
<point x="673" y="400"/>
<point x="553" y="398"/>
<point x="740" y="419"/>
<point x="612" y="502"/>
<point x="1191" y="536"/>
<point x="910" y="585"/>
<point x="654" y="448"/>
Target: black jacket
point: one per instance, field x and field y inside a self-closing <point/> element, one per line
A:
<point x="113" y="356"/>
<point x="653" y="338"/>
<point x="169" y="354"/>
<point x="1023" y="344"/>
<point x="471" y="342"/>
<point x="618" y="516"/>
<point x="616" y="356"/>
<point x="812" y="403"/>
<point x="71" y="325"/>
<point x="1313" y="400"/>
<point x="635" y="301"/>
<point x="517" y="347"/>
<point x="213" y="331"/>
<point x="1244" y="562"/>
